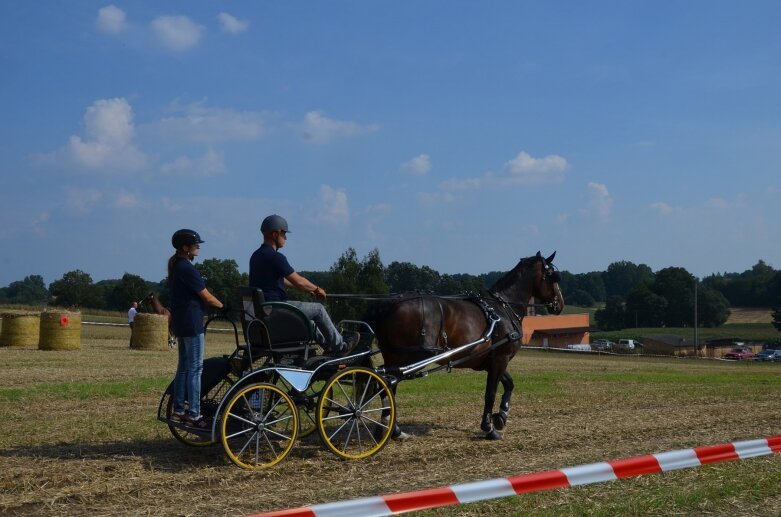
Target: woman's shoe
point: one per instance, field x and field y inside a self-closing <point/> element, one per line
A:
<point x="198" y="422"/>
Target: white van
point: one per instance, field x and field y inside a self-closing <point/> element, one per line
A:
<point x="628" y="344"/>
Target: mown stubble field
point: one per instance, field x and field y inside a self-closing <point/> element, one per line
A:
<point x="79" y="436"/>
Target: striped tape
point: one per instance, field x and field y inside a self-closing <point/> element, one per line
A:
<point x="535" y="482"/>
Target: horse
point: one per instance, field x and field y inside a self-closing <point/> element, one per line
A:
<point x="157" y="308"/>
<point x="414" y="326"/>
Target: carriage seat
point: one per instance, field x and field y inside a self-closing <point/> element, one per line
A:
<point x="274" y="328"/>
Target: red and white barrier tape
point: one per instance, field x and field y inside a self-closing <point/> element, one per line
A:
<point x="535" y="482"/>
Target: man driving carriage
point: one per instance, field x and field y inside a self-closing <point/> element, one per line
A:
<point x="270" y="271"/>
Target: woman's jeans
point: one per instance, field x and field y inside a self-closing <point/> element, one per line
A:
<point x="187" y="383"/>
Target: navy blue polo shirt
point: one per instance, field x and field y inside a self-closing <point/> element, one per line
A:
<point x="186" y="305"/>
<point x="267" y="271"/>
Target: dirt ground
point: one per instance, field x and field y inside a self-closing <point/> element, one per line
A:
<point x="79" y="434"/>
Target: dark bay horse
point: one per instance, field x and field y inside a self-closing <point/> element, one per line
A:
<point x="153" y="302"/>
<point x="415" y="326"/>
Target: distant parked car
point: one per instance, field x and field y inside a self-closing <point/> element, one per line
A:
<point x="766" y="355"/>
<point x="739" y="353"/>
<point x="777" y="356"/>
<point x="629" y="344"/>
<point x="602" y="344"/>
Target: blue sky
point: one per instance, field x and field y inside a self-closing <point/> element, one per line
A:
<point x="458" y="135"/>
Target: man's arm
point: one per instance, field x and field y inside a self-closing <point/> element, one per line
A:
<point x="301" y="283"/>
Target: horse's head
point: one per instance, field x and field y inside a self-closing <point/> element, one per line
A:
<point x="546" y="284"/>
<point x="533" y="276"/>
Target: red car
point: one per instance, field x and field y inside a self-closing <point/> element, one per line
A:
<point x="739" y="353"/>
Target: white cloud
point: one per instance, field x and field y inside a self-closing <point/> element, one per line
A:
<point x="523" y="170"/>
<point x="527" y="170"/>
<point x="210" y="164"/>
<point x="109" y="138"/>
<point x="320" y="129"/>
<point x="199" y="123"/>
<point x="333" y="207"/>
<point x="111" y="19"/>
<point x="38" y="222"/>
<point x="599" y="201"/>
<point x="419" y="165"/>
<point x="81" y="201"/>
<point x="231" y="24"/>
<point x="662" y="208"/>
<point x="379" y="209"/>
<point x="176" y="33"/>
<point x="126" y="200"/>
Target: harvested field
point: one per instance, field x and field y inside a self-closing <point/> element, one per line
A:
<point x="749" y="315"/>
<point x="79" y="437"/>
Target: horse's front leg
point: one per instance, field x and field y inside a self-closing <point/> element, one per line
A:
<point x="486" y="424"/>
<point x="500" y="418"/>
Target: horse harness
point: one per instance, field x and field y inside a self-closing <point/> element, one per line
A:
<point x="490" y="315"/>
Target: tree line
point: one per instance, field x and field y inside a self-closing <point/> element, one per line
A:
<point x="630" y="295"/>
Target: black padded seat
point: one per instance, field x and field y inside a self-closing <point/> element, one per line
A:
<point x="274" y="328"/>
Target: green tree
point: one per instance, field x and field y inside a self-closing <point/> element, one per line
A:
<point x="676" y="285"/>
<point x="580" y="298"/>
<point x="30" y="291"/>
<point x="622" y="276"/>
<point x="75" y="289"/>
<point x="130" y="288"/>
<point x="712" y="308"/>
<point x="592" y="283"/>
<point x="222" y="277"/>
<point x="644" y="308"/>
<point x="613" y="315"/>
<point x="351" y="276"/>
<point x="404" y="276"/>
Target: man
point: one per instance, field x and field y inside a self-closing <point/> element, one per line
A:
<point x="131" y="318"/>
<point x="270" y="271"/>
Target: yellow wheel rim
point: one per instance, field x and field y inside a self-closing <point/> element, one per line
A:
<point x="259" y="426"/>
<point x="356" y="413"/>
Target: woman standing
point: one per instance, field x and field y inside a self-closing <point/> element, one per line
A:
<point x="188" y="296"/>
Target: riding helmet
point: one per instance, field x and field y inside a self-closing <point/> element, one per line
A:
<point x="274" y="223"/>
<point x="185" y="237"/>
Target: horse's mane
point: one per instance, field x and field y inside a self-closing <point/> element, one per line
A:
<point x="510" y="278"/>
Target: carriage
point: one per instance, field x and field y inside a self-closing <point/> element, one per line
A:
<point x="277" y="386"/>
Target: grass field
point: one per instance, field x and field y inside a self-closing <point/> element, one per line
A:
<point x="79" y="437"/>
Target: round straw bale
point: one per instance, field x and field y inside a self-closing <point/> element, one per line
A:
<point x="20" y="328"/>
<point x="60" y="330"/>
<point x="150" y="332"/>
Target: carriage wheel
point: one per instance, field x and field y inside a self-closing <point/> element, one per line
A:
<point x="307" y="409"/>
<point x="259" y="426"/>
<point x="209" y="404"/>
<point x="356" y="413"/>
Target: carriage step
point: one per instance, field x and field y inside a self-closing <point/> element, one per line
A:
<point x="186" y="427"/>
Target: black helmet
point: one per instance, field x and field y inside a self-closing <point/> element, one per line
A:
<point x="273" y="223"/>
<point x="185" y="237"/>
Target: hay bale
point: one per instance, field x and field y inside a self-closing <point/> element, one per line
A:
<point x="60" y="330"/>
<point x="150" y="332"/>
<point x="20" y="328"/>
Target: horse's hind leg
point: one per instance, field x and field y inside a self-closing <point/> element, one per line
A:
<point x="500" y="418"/>
<point x="486" y="424"/>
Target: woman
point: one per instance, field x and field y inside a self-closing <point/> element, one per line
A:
<point x="188" y="296"/>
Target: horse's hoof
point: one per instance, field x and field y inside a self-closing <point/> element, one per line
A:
<point x="402" y="437"/>
<point x="399" y="435"/>
<point x="499" y="420"/>
<point x="493" y="435"/>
